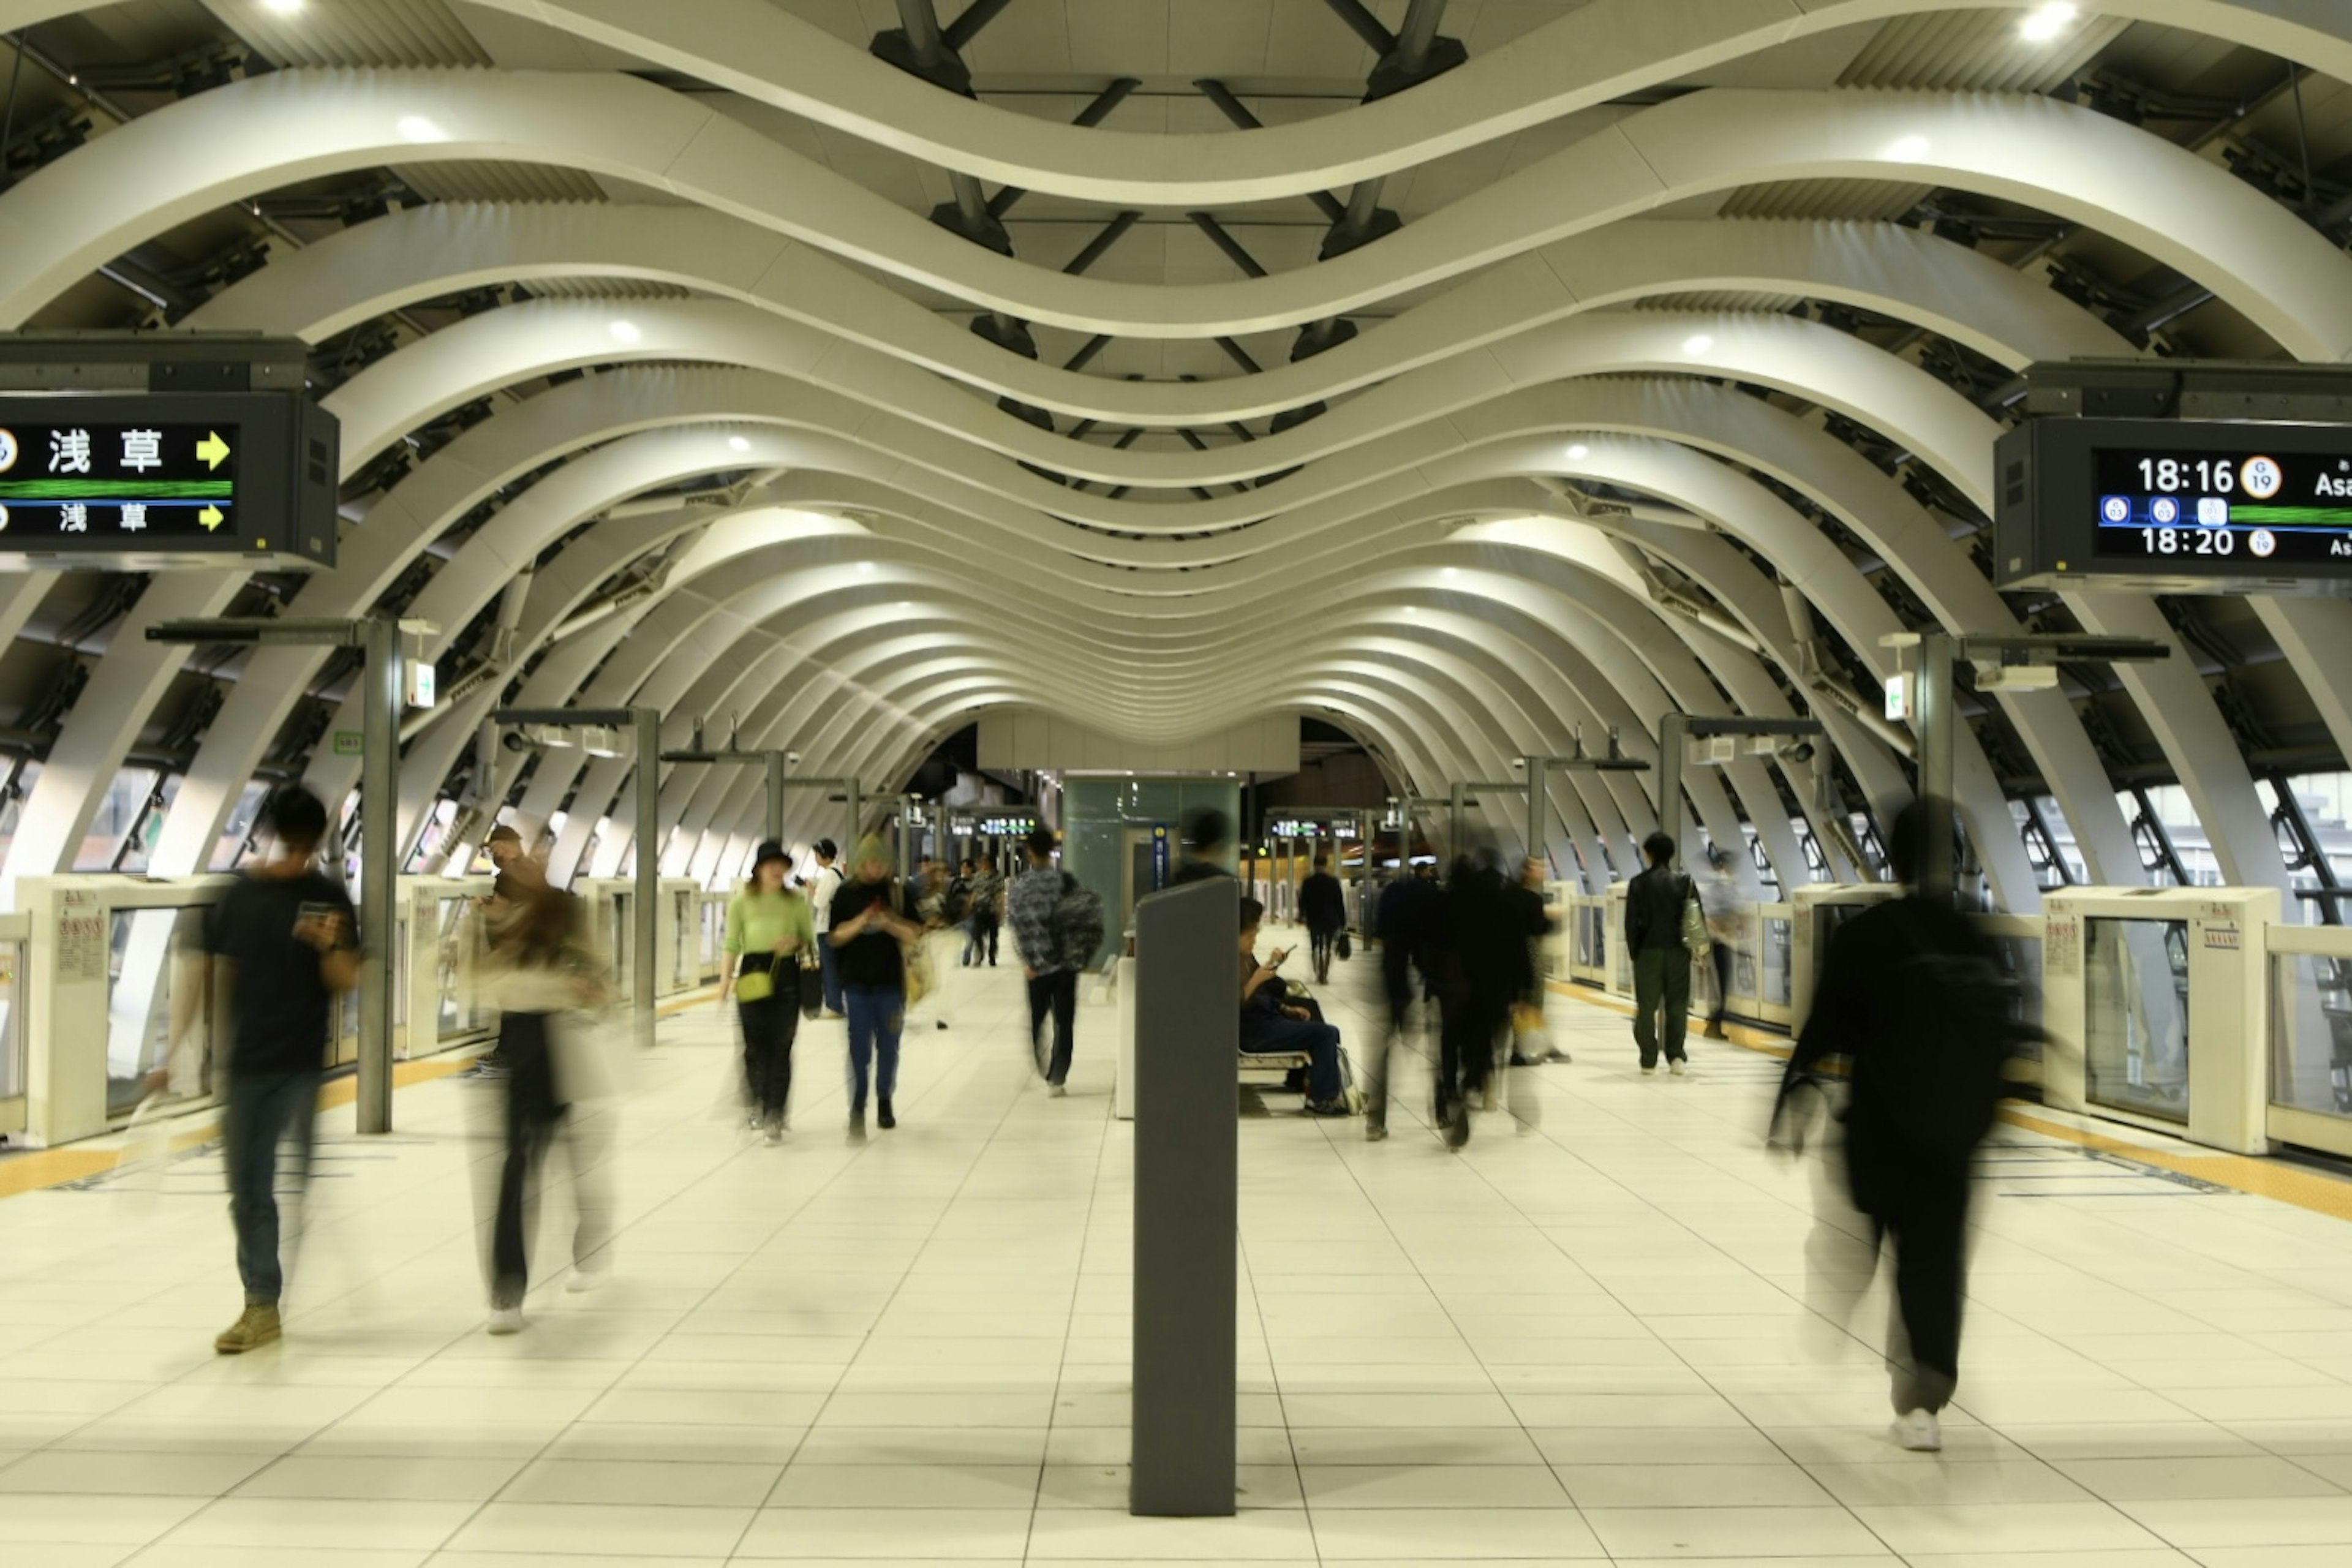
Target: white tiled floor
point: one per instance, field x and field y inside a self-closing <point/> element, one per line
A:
<point x="1582" y="1341"/>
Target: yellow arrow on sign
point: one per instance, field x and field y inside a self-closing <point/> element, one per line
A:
<point x="213" y="450"/>
<point x="211" y="517"/>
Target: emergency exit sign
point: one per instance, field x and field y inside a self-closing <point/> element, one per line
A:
<point x="349" y="743"/>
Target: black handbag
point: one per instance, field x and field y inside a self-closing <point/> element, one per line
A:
<point x="812" y="990"/>
<point x="1346" y="948"/>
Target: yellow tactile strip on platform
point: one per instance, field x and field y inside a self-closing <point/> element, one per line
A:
<point x="34" y="1169"/>
<point x="2313" y="1190"/>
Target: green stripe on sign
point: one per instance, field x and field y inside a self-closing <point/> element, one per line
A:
<point x="117" y="489"/>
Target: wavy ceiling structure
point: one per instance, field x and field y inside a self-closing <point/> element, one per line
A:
<point x="1671" y="382"/>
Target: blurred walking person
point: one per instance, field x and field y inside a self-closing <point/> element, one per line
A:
<point x="940" y="909"/>
<point x="1056" y="927"/>
<point x="544" y="977"/>
<point x="284" y="940"/>
<point x="1204" y="846"/>
<point x="1484" y="955"/>
<point x="986" y="914"/>
<point x="822" y="884"/>
<point x="770" y="930"/>
<point x="1323" y="909"/>
<point x="1716" y="902"/>
<point x="1530" y="1040"/>
<point x="1915" y="999"/>
<point x="1411" y="922"/>
<point x="867" y="935"/>
<point x="1654" y="937"/>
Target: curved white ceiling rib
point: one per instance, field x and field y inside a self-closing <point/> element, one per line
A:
<point x="79" y="212"/>
<point x="441" y="248"/>
<point x="1600" y="51"/>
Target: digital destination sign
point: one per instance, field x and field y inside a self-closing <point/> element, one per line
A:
<point x="2174" y="505"/>
<point x="135" y="483"/>
<point x="157" y="479"/>
<point x="2264" y="506"/>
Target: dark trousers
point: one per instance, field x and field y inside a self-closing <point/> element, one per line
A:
<point x="1921" y="1205"/>
<point x="875" y="1016"/>
<point x="979" y="940"/>
<point x="830" y="970"/>
<point x="1054" y="995"/>
<point x="1320" y="940"/>
<point x="1319" y="1040"/>
<point x="1661" y="986"/>
<point x="1466" y="1034"/>
<point x="263" y="1109"/>
<point x="1399" y="1036"/>
<point x="531" y="1118"/>
<point x="1720" y="953"/>
<point x="769" y="1026"/>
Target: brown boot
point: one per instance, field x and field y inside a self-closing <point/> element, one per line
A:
<point x="256" y="1328"/>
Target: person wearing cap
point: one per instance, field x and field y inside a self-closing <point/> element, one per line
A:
<point x="769" y="927"/>
<point x="822" y="887"/>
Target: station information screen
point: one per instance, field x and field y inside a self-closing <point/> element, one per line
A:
<point x="2174" y="506"/>
<point x="136" y="483"/>
<point x="155" y="479"/>
<point x="2264" y="506"/>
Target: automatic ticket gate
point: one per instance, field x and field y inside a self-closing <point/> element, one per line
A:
<point x="2155" y="1002"/>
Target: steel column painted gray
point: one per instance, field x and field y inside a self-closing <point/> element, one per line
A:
<point x="1187" y="1033"/>
<point x="380" y="705"/>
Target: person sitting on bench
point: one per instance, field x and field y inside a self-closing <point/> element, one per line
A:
<point x="1273" y="1025"/>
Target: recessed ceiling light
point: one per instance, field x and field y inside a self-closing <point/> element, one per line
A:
<point x="1697" y="343"/>
<point x="626" y="331"/>
<point x="1911" y="148"/>
<point x="284" y="8"/>
<point x="2048" y="21"/>
<point x="738" y="444"/>
<point x="1579" y="452"/>
<point x="417" y="128"/>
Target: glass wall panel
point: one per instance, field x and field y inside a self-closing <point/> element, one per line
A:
<point x="148" y="984"/>
<point x="12" y="1027"/>
<point x="1779" y="956"/>
<point x="2135" y="995"/>
<point x="119" y="811"/>
<point x="2311" y="1034"/>
<point x="229" y="850"/>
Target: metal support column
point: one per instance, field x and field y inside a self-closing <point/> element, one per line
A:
<point x="1673" y="738"/>
<point x="379" y="866"/>
<point x="1933" y="699"/>
<point x="648" y="724"/>
<point x="777" y="762"/>
<point x="1539" y="800"/>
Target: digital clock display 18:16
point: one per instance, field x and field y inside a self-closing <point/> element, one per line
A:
<point x="2222" y="511"/>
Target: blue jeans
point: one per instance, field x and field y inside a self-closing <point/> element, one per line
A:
<point x="1319" y="1041"/>
<point x="831" y="973"/>
<point x="264" y="1108"/>
<point x="875" y="1013"/>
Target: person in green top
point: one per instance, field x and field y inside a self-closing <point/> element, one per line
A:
<point x="768" y="928"/>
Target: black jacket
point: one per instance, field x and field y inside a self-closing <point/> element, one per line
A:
<point x="1321" y="905"/>
<point x="1653" y="909"/>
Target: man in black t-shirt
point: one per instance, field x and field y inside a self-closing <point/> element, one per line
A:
<point x="289" y="943"/>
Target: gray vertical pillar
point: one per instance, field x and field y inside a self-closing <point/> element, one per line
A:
<point x="647" y="912"/>
<point x="1404" y="837"/>
<point x="850" y="845"/>
<point x="379" y="865"/>
<point x="1674" y="739"/>
<point x="906" y="841"/>
<point x="1455" y="828"/>
<point x="1538" y="799"/>
<point x="1937" y="717"/>
<point x="1187" y="1032"/>
<point x="776" y="760"/>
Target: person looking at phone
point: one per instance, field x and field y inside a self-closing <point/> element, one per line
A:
<point x="1273" y="1024"/>
<point x="865" y="934"/>
<point x="284" y="940"/>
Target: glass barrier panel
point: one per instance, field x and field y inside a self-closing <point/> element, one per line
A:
<point x="2021" y="960"/>
<point x="682" y="954"/>
<point x="2136" y="1016"/>
<point x="2311" y="1034"/>
<point x="625" y="936"/>
<point x="456" y="1014"/>
<point x="1777" y="953"/>
<point x="12" y="1031"/>
<point x="714" y="931"/>
<point x="148" y="970"/>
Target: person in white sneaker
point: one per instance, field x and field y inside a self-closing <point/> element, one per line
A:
<point x="1914" y="997"/>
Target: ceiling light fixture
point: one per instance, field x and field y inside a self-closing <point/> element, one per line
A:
<point x="865" y="567"/>
<point x="626" y="331"/>
<point x="1451" y="572"/>
<point x="2048" y="22"/>
<point x="417" y="128"/>
<point x="1697" y="343"/>
<point x="1910" y="149"/>
<point x="284" y="8"/>
<point x="737" y="443"/>
<point x="1579" y="452"/>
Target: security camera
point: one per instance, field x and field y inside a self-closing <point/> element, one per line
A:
<point x="1518" y="765"/>
<point x="1797" y="752"/>
<point x="513" y="742"/>
<point x="792" y="759"/>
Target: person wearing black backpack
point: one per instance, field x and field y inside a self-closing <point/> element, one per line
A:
<point x="1915" y="999"/>
<point x="1057" y="926"/>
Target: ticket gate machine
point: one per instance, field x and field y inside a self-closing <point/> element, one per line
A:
<point x="2154" y="1001"/>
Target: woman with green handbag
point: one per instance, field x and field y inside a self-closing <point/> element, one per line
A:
<point x="768" y="928"/>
